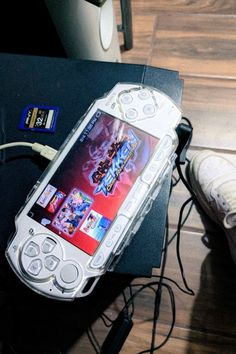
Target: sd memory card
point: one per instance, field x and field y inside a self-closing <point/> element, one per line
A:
<point x="39" y="118"/>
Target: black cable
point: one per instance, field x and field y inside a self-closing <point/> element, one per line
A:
<point x="187" y="185"/>
<point x="132" y="303"/>
<point x="185" y="219"/>
<point x="159" y="289"/>
<point x="178" y="246"/>
<point x="125" y="300"/>
<point x="174" y="181"/>
<point x="160" y="283"/>
<point x="166" y="242"/>
<point x="124" y="297"/>
<point x="158" y="293"/>
<point x="105" y="318"/>
<point x="188" y="121"/>
<point x="183" y="179"/>
<point x="93" y="340"/>
<point x="174" y="282"/>
<point x="172" y="300"/>
<point x="142" y="287"/>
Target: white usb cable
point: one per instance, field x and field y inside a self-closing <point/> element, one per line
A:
<point x="44" y="150"/>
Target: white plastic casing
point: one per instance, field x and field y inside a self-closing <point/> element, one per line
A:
<point x="52" y="266"/>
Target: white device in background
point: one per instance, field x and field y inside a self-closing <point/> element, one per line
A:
<point x="87" y="31"/>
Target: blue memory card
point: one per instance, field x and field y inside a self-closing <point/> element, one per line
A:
<point x="39" y="118"/>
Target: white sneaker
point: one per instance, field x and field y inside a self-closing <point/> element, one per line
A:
<point x="213" y="179"/>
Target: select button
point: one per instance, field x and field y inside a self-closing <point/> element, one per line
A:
<point x="98" y="260"/>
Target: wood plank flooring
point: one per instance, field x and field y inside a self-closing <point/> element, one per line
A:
<point x="198" y="39"/>
<point x="197" y="45"/>
<point x="143" y="7"/>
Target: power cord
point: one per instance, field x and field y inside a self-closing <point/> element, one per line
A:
<point x="44" y="150"/>
<point x="184" y="132"/>
<point x="191" y="292"/>
<point x="93" y="340"/>
<point x="189" y="201"/>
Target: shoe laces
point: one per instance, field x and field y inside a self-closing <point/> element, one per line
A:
<point x="227" y="197"/>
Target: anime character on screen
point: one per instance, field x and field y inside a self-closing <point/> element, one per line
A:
<point x="95" y="225"/>
<point x="119" y="153"/>
<point x="56" y="201"/>
<point x="72" y="212"/>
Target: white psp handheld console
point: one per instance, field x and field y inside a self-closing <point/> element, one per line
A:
<point x="92" y="198"/>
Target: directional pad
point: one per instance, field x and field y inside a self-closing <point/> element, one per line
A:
<point x="41" y="256"/>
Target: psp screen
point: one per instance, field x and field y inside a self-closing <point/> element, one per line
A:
<point x="84" y="195"/>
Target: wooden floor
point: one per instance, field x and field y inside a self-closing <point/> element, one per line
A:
<point x="197" y="38"/>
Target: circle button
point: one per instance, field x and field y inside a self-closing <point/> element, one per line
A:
<point x="69" y="273"/>
<point x="149" y="109"/>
